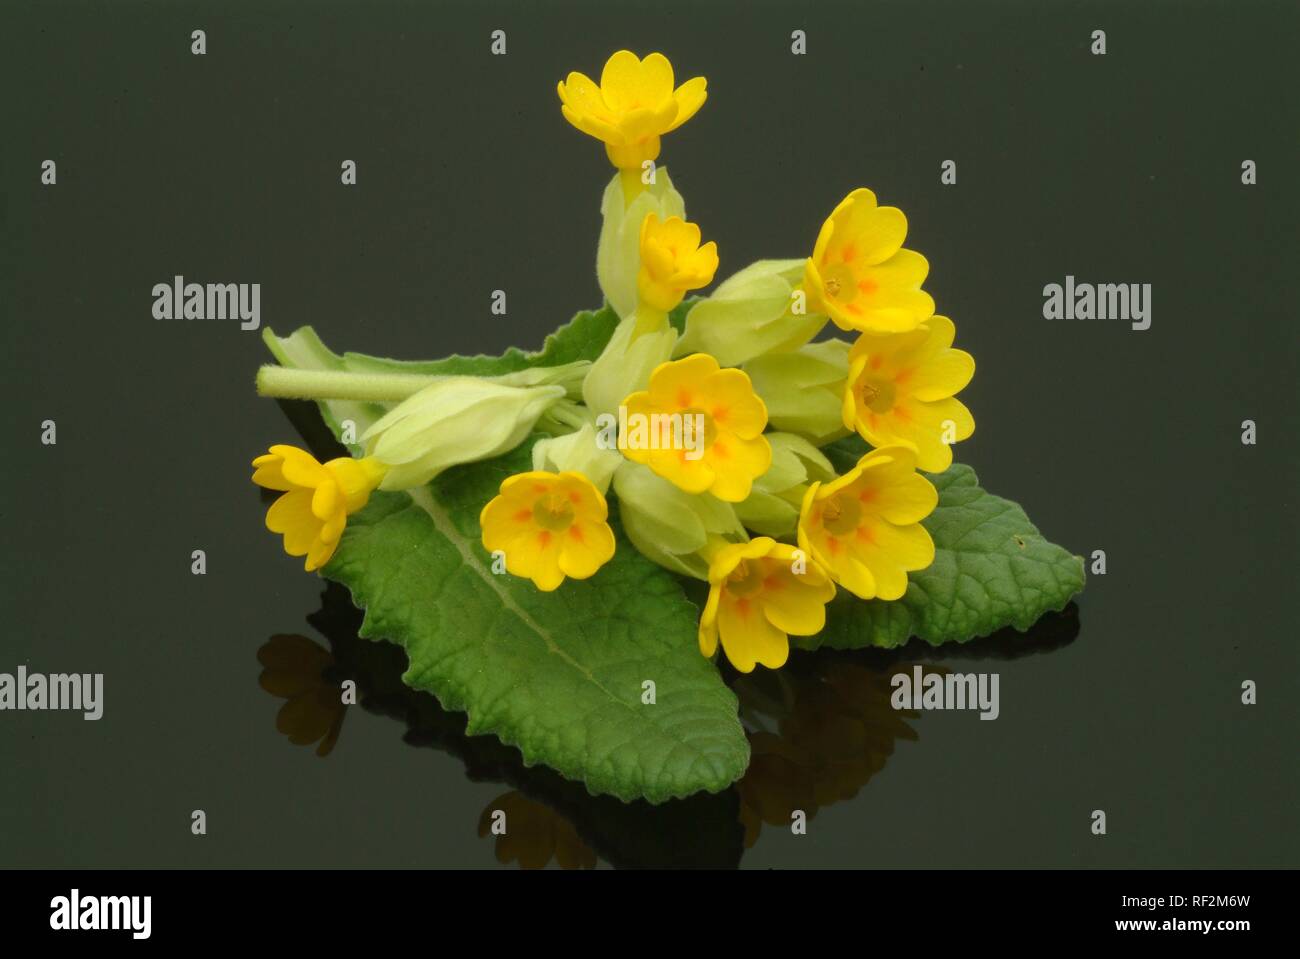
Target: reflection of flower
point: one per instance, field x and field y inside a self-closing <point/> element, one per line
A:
<point x="835" y="730"/>
<point x="295" y="671"/>
<point x="535" y="834"/>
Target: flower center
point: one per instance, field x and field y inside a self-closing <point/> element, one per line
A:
<point x="746" y="579"/>
<point x="694" y="422"/>
<point x="877" y="395"/>
<point x="839" y="283"/>
<point x="841" y="515"/>
<point x="552" y="513"/>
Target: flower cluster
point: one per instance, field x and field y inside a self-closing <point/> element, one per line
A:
<point x="706" y="422"/>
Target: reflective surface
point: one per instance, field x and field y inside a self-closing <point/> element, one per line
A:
<point x="225" y="168"/>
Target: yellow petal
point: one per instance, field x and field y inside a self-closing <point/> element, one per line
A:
<point x="733" y="404"/>
<point x="690" y="96"/>
<point x="291" y="516"/>
<point x="748" y="638"/>
<point x="299" y="467"/>
<point x="586" y="548"/>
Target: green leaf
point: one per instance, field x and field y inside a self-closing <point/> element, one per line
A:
<point x="558" y="675"/>
<point x="992" y="569"/>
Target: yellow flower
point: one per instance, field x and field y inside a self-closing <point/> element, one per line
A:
<point x="718" y="419"/>
<point x="632" y="107"/>
<point x="759" y="593"/>
<point x="865" y="527"/>
<point x="672" y="261"/>
<point x="858" y="273"/>
<point x="549" y="526"/>
<point x="318" y="498"/>
<point x="901" y="390"/>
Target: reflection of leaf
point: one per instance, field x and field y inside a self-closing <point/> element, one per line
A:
<point x="992" y="569"/>
<point x="534" y="835"/>
<point x="558" y="675"/>
<point x="296" y="672"/>
<point x="835" y="728"/>
<point x="701" y="831"/>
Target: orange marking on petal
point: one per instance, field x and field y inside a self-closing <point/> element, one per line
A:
<point x="544" y="538"/>
<point x="833" y="545"/>
<point x="902" y="376"/>
<point x="876" y="361"/>
<point x="719" y="450"/>
<point x="872" y="419"/>
<point x="683" y="398"/>
<point x="523" y="516"/>
<point x="742" y="608"/>
<point x="849" y="252"/>
<point x="575" y="533"/>
<point x="867" y="495"/>
<point x="867" y="287"/>
<point x="719" y="414"/>
<point x="773" y="583"/>
<point x="864" y="535"/>
<point x="854" y="309"/>
<point x="902" y="414"/>
<point x="575" y="497"/>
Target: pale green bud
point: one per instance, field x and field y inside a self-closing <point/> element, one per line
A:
<point x="578" y="452"/>
<point x="641" y="341"/>
<point x="751" y="314"/>
<point x="772" y="508"/>
<point x="568" y="375"/>
<point x="804" y="390"/>
<point x="618" y="257"/>
<point x="460" y="419"/>
<point x="667" y="524"/>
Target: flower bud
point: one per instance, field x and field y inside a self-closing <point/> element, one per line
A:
<point x="578" y="452"/>
<point x="641" y="341"/>
<point x="773" y="507"/>
<point x="618" y="257"/>
<point x="668" y="525"/>
<point x="460" y="419"/>
<point x="804" y="390"/>
<point x="752" y="313"/>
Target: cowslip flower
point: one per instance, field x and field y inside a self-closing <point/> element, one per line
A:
<point x="318" y="498"/>
<point x="632" y="107"/>
<point x="760" y="592"/>
<point x="717" y="409"/>
<point x="860" y="276"/>
<point x="618" y="253"/>
<point x="672" y="261"/>
<point x="548" y="526"/>
<point x="901" y="390"/>
<point x="865" y="527"/>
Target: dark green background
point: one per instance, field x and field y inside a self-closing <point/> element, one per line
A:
<point x="1122" y="168"/>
